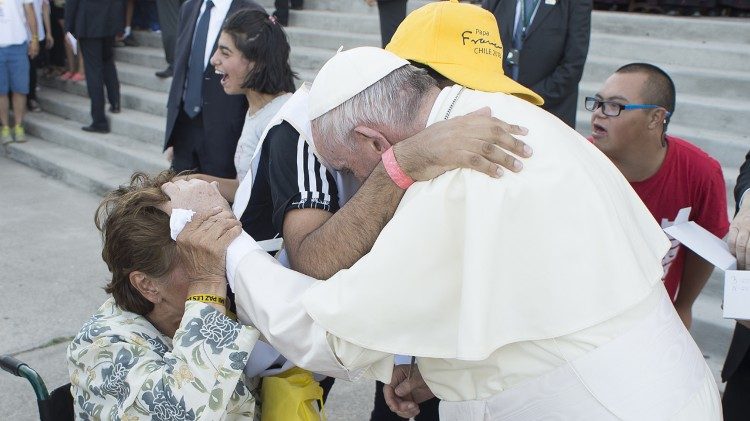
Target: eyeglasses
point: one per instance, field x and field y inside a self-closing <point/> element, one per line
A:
<point x="613" y="109"/>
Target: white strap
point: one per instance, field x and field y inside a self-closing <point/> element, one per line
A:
<point x="271" y="245"/>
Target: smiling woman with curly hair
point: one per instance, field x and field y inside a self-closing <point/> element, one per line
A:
<point x="161" y="348"/>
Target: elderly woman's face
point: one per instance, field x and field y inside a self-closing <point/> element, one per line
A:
<point x="173" y="290"/>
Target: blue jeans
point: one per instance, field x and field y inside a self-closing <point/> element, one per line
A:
<point x="14" y="69"/>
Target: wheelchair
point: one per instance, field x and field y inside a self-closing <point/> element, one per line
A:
<point x="55" y="406"/>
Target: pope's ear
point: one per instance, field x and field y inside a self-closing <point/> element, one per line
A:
<point x="145" y="285"/>
<point x="372" y="139"/>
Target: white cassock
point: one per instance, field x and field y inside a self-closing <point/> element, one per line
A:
<point x="535" y="296"/>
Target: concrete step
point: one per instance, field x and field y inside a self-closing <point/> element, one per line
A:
<point x="673" y="27"/>
<point x="130" y="123"/>
<point x="708" y="55"/>
<point x="151" y="57"/>
<point x="68" y="165"/>
<point x="148" y="39"/>
<point x="142" y="77"/>
<point x="349" y="6"/>
<point x="714" y="83"/>
<point x="330" y="39"/>
<point x="115" y="149"/>
<point x="131" y="97"/>
<point x="341" y="21"/>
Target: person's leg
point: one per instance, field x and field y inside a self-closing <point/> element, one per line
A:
<point x="111" y="81"/>
<point x="326" y="384"/>
<point x="282" y="11"/>
<point x="81" y="68"/>
<point x="18" y="62"/>
<point x="169" y="13"/>
<point x="392" y="13"/>
<point x="736" y="402"/>
<point x="129" y="9"/>
<point x="5" y="87"/>
<point x="4" y="110"/>
<point x="92" y="49"/>
<point x="70" y="58"/>
<point x="33" y="67"/>
<point x="19" y="108"/>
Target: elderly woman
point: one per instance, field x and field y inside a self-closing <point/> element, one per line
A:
<point x="162" y="347"/>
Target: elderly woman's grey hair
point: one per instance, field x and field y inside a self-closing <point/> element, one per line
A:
<point x="394" y="102"/>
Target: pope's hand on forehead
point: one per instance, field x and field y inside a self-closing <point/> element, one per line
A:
<point x="195" y="194"/>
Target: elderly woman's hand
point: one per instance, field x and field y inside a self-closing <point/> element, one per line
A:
<point x="477" y="141"/>
<point x="202" y="247"/>
<point x="194" y="194"/>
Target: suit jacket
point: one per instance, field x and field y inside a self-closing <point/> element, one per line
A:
<point x="223" y="115"/>
<point x="94" y="18"/>
<point x="554" y="50"/>
<point x="741" y="340"/>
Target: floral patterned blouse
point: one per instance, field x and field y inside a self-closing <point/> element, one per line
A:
<point x="122" y="368"/>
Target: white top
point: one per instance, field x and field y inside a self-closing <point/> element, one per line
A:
<point x="251" y="132"/>
<point x="13" y="29"/>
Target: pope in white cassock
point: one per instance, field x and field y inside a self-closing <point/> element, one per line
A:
<point x="534" y="296"/>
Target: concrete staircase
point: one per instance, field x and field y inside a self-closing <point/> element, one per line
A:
<point x="708" y="58"/>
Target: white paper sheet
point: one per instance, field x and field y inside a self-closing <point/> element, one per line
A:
<point x="715" y="250"/>
<point x="737" y="294"/>
<point x="703" y="243"/>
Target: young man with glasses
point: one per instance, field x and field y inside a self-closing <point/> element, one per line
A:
<point x="675" y="179"/>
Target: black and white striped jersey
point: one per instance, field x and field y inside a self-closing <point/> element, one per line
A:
<point x="289" y="177"/>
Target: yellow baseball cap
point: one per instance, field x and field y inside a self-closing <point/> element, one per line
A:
<point x="461" y="42"/>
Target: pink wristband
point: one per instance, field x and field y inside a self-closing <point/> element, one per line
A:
<point x="394" y="170"/>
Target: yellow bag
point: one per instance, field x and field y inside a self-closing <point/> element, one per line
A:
<point x="291" y="396"/>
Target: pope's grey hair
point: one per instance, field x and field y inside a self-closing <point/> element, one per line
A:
<point x="394" y="102"/>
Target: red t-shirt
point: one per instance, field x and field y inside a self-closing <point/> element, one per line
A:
<point x="688" y="178"/>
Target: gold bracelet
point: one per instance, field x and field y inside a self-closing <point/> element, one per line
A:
<point x="207" y="298"/>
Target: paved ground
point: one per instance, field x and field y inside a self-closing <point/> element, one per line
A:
<point x="51" y="276"/>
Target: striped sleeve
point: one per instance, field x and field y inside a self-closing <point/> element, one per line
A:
<point x="296" y="177"/>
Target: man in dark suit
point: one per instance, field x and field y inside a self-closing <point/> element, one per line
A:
<point x="95" y="23"/>
<point x="203" y="123"/>
<point x="736" y="370"/>
<point x="546" y="44"/>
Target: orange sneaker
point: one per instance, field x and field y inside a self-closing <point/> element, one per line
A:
<point x="78" y="77"/>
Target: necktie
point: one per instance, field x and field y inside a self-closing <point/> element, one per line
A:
<point x="524" y="21"/>
<point x="194" y="82"/>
